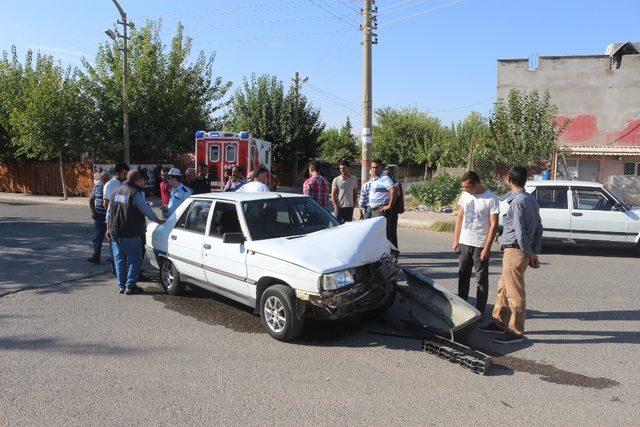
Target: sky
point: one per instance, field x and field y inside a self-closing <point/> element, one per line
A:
<point x="438" y="56"/>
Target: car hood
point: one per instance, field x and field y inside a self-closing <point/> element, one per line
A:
<point x="349" y="245"/>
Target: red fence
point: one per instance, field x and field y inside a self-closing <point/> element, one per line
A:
<point x="44" y="178"/>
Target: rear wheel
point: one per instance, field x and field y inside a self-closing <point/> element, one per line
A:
<point x="278" y="313"/>
<point x="171" y="278"/>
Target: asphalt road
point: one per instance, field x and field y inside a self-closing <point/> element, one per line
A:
<point x="74" y="351"/>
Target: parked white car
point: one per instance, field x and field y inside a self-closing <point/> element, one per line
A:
<point x="583" y="211"/>
<point x="282" y="254"/>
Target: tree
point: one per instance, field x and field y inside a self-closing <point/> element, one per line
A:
<point x="409" y="137"/>
<point x="169" y="96"/>
<point x="524" y="131"/>
<point x="51" y="121"/>
<point x="11" y="99"/>
<point x="338" y="144"/>
<point x="262" y="107"/>
<point x="467" y="136"/>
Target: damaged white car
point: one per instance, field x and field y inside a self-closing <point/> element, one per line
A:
<point x="281" y="254"/>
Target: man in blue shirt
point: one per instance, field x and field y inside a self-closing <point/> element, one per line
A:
<point x="98" y="213"/>
<point x="179" y="191"/>
<point x="126" y="226"/>
<point x="381" y="196"/>
<point x="521" y="243"/>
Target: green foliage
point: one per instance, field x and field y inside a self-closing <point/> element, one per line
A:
<point x="437" y="192"/>
<point x="169" y="96"/>
<point x="338" y="144"/>
<point x="443" y="226"/>
<point x="408" y="137"/>
<point x="262" y="107"/>
<point x="44" y="110"/>
<point x="524" y="132"/>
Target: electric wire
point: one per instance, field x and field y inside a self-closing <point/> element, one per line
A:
<point x="433" y="9"/>
<point x="333" y="14"/>
<point x="346" y="101"/>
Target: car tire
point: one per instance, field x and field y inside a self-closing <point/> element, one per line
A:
<point x="278" y="312"/>
<point x="171" y="278"/>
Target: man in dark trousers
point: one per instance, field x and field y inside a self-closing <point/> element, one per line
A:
<point x="476" y="228"/>
<point x="521" y="243"/>
<point x="98" y="213"/>
<point x="126" y="225"/>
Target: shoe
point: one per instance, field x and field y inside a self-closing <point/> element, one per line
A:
<point x="134" y="290"/>
<point x="121" y="290"/>
<point x="509" y="338"/>
<point x="94" y="260"/>
<point x="491" y="328"/>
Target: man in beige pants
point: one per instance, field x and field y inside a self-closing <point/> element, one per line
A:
<point x="521" y="243"/>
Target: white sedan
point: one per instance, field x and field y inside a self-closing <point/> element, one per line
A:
<point x="281" y="254"/>
<point x="584" y="212"/>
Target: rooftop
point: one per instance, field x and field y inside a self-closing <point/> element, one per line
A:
<point x="244" y="197"/>
<point x="553" y="183"/>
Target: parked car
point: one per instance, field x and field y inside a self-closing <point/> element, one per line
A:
<point x="281" y="254"/>
<point x="583" y="211"/>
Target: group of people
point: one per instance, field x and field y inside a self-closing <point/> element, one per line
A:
<point x="521" y="241"/>
<point x="119" y="209"/>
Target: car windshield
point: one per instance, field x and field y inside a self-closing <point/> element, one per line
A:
<point x="285" y="217"/>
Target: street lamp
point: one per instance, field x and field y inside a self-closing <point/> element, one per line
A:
<point x="113" y="35"/>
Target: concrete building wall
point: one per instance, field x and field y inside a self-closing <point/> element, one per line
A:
<point x="603" y="103"/>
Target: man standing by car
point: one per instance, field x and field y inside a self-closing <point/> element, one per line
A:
<point x="344" y="193"/>
<point x="382" y="201"/>
<point x="521" y="242"/>
<point x="201" y="184"/>
<point x="98" y="213"/>
<point x="179" y="192"/>
<point x="119" y="175"/>
<point x="236" y="180"/>
<point x="258" y="184"/>
<point x="316" y="186"/>
<point x="475" y="230"/>
<point x="125" y="225"/>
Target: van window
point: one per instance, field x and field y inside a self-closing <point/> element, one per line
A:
<point x="214" y="153"/>
<point x="230" y="153"/>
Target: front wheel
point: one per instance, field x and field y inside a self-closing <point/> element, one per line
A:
<point x="171" y="278"/>
<point x="278" y="313"/>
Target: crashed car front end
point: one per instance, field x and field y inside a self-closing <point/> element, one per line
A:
<point x="353" y="290"/>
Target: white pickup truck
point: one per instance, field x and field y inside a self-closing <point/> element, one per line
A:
<point x="584" y="212"/>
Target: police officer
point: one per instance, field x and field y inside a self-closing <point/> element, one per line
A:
<point x="179" y="191"/>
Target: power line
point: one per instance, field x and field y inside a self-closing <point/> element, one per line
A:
<point x="402" y="5"/>
<point x="357" y="104"/>
<point x="420" y="13"/>
<point x="463" y="106"/>
<point x="333" y="14"/>
<point x="335" y="102"/>
<point x="344" y="2"/>
<point x="283" y="36"/>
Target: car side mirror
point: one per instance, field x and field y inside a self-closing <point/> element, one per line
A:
<point x="233" y="238"/>
<point x="618" y="207"/>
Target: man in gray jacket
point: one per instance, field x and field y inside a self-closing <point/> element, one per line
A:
<point x="521" y="243"/>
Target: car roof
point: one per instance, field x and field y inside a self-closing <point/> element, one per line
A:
<point x="555" y="183"/>
<point x="244" y="197"/>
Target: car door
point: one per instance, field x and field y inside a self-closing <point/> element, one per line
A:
<point x="225" y="263"/>
<point x="595" y="217"/>
<point x="554" y="211"/>
<point x="186" y="240"/>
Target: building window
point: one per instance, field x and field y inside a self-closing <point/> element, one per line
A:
<point x="632" y="168"/>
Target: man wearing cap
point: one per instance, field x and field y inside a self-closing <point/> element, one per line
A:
<point x="179" y="191"/>
<point x="125" y="225"/>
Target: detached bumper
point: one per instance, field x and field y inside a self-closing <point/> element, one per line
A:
<point x="374" y="285"/>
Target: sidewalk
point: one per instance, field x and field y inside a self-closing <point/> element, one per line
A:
<point x="416" y="219"/>
<point x="28" y="198"/>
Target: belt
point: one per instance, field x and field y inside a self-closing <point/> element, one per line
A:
<point x="511" y="246"/>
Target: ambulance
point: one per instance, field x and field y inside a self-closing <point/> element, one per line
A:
<point x="221" y="151"/>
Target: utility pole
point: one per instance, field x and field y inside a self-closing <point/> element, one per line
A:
<point x="369" y="23"/>
<point x="125" y="75"/>
<point x="297" y="82"/>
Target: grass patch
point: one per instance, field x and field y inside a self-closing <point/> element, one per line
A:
<point x="443" y="226"/>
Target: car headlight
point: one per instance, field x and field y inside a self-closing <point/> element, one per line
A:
<point x="337" y="280"/>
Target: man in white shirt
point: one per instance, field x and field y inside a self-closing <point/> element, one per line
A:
<point x="475" y="230"/>
<point x="259" y="184"/>
<point x="119" y="176"/>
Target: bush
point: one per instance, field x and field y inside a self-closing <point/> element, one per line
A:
<point x="440" y="191"/>
<point x="443" y="226"/>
